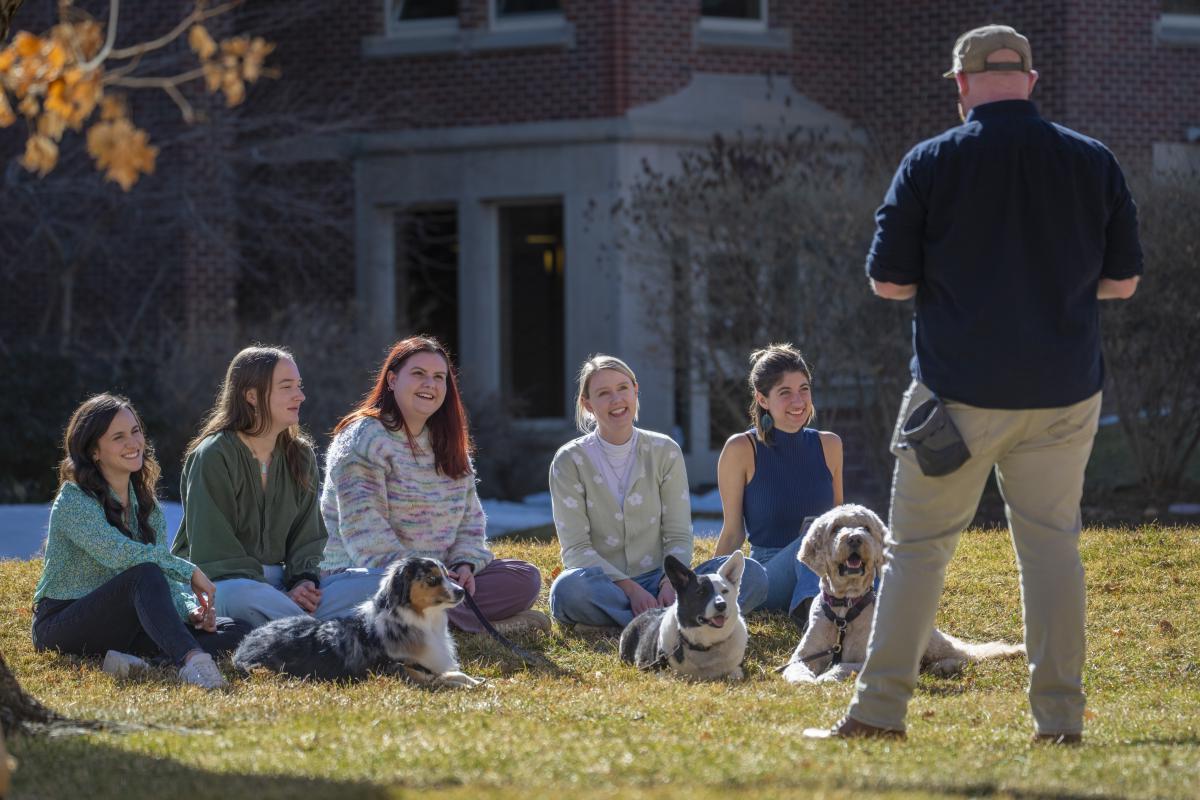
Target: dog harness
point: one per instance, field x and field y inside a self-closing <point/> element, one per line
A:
<point x="856" y="607"/>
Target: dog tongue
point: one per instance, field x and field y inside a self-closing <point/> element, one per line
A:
<point x="854" y="562"/>
<point x="717" y="622"/>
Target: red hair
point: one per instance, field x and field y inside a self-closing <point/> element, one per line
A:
<point x="448" y="433"/>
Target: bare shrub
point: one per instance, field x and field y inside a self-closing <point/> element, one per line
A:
<point x="761" y="239"/>
<point x="1152" y="342"/>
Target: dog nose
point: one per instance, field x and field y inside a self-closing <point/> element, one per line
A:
<point x="719" y="604"/>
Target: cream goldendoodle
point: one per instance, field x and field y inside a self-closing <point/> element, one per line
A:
<point x="844" y="547"/>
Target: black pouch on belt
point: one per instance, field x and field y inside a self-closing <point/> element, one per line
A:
<point x="931" y="435"/>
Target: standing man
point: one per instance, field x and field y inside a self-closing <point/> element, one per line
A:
<point x="1007" y="230"/>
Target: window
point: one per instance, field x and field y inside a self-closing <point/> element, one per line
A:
<point x="525" y="13"/>
<point x="425" y="9"/>
<point x="1179" y="22"/>
<point x="734" y="14"/>
<point x="427" y="274"/>
<point x="532" y="260"/>
<point x="1181" y="7"/>
<point x="420" y="17"/>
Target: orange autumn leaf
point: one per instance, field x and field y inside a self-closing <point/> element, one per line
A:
<point x="56" y="57"/>
<point x="238" y="46"/>
<point x="122" y="151"/>
<point x="112" y="107"/>
<point x="27" y="45"/>
<point x="234" y="89"/>
<point x="212" y="76"/>
<point x="41" y="154"/>
<point x="7" y="117"/>
<point x="8" y="57"/>
<point x="56" y="99"/>
<point x="201" y="42"/>
<point x="51" y="125"/>
<point x="252" y="63"/>
<point x="29" y="106"/>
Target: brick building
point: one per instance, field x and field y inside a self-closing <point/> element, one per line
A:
<point x="504" y="121"/>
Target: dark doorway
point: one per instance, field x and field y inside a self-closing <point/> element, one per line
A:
<point x="532" y="261"/>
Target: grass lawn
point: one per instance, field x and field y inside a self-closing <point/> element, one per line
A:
<point x="609" y="731"/>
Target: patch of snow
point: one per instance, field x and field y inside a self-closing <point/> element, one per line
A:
<point x="707" y="503"/>
<point x="1184" y="509"/>
<point x="23" y="527"/>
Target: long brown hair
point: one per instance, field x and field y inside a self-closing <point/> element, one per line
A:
<point x="89" y="422"/>
<point x="253" y="368"/>
<point x="768" y="366"/>
<point x="449" y="435"/>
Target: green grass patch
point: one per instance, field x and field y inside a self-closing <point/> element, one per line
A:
<point x="609" y="731"/>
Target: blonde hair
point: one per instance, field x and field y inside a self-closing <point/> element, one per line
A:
<point x="584" y="419"/>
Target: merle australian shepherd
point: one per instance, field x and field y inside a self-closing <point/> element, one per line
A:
<point x="402" y="630"/>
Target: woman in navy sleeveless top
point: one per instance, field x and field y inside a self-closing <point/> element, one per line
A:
<point x="777" y="477"/>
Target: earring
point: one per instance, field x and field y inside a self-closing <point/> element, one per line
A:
<point x="766" y="422"/>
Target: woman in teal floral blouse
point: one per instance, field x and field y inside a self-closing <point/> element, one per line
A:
<point x="109" y="584"/>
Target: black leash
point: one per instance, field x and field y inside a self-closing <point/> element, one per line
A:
<point x="841" y="623"/>
<point x="531" y="659"/>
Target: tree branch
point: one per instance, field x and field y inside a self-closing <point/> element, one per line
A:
<point x="110" y="38"/>
<point x="198" y="15"/>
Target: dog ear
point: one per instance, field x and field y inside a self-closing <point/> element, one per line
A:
<point x="733" y="568"/>
<point x="395" y="590"/>
<point x="814" y="549"/>
<point x="678" y="573"/>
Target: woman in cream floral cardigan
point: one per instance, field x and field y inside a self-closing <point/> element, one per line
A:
<point x="621" y="504"/>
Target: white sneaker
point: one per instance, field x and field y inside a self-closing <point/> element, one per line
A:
<point x="122" y="665"/>
<point x="201" y="670"/>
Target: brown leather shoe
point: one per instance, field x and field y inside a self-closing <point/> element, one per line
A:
<point x="1068" y="739"/>
<point x="850" y="728"/>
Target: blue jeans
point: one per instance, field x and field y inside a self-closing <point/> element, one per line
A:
<point x="586" y="596"/>
<point x="789" y="582"/>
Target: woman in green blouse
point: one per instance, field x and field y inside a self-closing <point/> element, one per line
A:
<point x="109" y="583"/>
<point x="621" y="504"/>
<point x="251" y="519"/>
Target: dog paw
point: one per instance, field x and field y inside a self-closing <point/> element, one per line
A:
<point x="736" y="674"/>
<point x="798" y="672"/>
<point x="457" y="680"/>
<point x="947" y="667"/>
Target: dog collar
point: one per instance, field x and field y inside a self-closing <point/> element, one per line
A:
<point x="856" y="607"/>
<point x="837" y="602"/>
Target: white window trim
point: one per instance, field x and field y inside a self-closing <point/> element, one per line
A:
<point x="1178" y="28"/>
<point x="740" y="25"/>
<point x="394" y="26"/>
<point x="524" y="22"/>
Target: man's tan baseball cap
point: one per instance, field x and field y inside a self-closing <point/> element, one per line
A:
<point x="973" y="47"/>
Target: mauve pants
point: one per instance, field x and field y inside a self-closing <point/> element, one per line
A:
<point x="503" y="588"/>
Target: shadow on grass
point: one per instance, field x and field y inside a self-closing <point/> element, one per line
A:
<point x="80" y="766"/>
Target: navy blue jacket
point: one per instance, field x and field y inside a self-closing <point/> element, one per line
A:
<point x="1006" y="223"/>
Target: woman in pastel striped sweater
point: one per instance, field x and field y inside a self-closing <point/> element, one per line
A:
<point x="109" y="584"/>
<point x="399" y="482"/>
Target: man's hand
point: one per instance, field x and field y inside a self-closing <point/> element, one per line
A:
<point x="464" y="576"/>
<point x="306" y="595"/>
<point x="1109" y="289"/>
<point x="894" y="291"/>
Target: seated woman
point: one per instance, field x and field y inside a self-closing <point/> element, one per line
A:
<point x="400" y="483"/>
<point x="776" y="476"/>
<point x="249" y="489"/>
<point x="621" y="504"/>
<point x="109" y="584"/>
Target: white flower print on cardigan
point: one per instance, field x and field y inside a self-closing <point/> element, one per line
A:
<point x="627" y="541"/>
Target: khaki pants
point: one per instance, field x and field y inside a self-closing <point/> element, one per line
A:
<point x="1039" y="456"/>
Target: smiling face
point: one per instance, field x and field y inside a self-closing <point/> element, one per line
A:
<point x="287" y="393"/>
<point x="419" y="388"/>
<point x="612" y="398"/>
<point x="789" y="402"/>
<point x="120" y="450"/>
<point x="845" y="548"/>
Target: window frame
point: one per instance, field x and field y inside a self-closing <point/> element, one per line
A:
<point x="524" y="22"/>
<point x="759" y="25"/>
